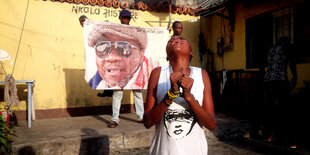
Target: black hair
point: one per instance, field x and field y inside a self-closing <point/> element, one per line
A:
<point x="174" y="23"/>
<point x="284" y="40"/>
<point x="286" y="45"/>
<point x="82" y="18"/>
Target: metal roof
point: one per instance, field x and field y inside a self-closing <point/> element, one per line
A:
<point x="208" y="3"/>
<point x="210" y="6"/>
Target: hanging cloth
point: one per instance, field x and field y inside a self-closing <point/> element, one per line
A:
<point x="223" y="82"/>
<point x="10" y="93"/>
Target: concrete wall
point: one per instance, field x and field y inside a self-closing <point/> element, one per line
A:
<point x="51" y="49"/>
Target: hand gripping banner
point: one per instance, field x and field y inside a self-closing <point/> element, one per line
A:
<point x="119" y="56"/>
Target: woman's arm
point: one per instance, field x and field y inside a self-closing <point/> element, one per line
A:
<point x="152" y="112"/>
<point x="205" y="113"/>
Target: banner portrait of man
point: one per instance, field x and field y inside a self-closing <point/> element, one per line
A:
<point x="119" y="56"/>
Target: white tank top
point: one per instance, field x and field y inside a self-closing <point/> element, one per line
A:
<point x="178" y="132"/>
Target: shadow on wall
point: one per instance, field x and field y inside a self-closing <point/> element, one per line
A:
<point x="78" y="92"/>
<point x="22" y="96"/>
<point x="21" y="92"/>
<point x="83" y="100"/>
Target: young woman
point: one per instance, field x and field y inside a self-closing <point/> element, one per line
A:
<point x="179" y="102"/>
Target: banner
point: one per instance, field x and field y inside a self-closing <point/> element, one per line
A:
<point x="119" y="56"/>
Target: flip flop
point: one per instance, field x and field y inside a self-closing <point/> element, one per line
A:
<point x="112" y="124"/>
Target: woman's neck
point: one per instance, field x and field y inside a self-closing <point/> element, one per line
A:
<point x="181" y="67"/>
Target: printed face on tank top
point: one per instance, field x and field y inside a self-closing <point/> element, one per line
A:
<point x="179" y="122"/>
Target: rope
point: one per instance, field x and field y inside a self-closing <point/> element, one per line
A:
<point x="10" y="93"/>
<point x="10" y="90"/>
<point x="3" y="68"/>
<point x="20" y="38"/>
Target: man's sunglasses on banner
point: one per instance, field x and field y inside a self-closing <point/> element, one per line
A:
<point x="122" y="48"/>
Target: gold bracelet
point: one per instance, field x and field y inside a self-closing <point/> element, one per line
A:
<point x="166" y="102"/>
<point x="174" y="92"/>
<point x="171" y="95"/>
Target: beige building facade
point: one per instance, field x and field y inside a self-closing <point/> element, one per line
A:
<point x="45" y="42"/>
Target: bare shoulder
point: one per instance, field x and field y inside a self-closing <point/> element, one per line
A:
<point x="205" y="76"/>
<point x="204" y="73"/>
<point x="155" y="75"/>
<point x="156" y="71"/>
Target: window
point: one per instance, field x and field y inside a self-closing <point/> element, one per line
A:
<point x="264" y="30"/>
<point x="283" y="24"/>
<point x="259" y="37"/>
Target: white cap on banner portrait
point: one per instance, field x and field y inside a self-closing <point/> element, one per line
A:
<point x="99" y="32"/>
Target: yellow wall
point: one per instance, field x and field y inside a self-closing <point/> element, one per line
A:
<point x="51" y="48"/>
<point x="236" y="59"/>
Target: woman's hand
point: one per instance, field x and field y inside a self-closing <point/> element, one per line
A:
<point x="175" y="79"/>
<point x="186" y="84"/>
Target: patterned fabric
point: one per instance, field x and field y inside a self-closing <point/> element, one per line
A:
<point x="277" y="64"/>
<point x="178" y="132"/>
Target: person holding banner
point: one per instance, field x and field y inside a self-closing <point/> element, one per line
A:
<point x="82" y="19"/>
<point x="121" y="63"/>
<point x="179" y="102"/>
<point x="177" y="28"/>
